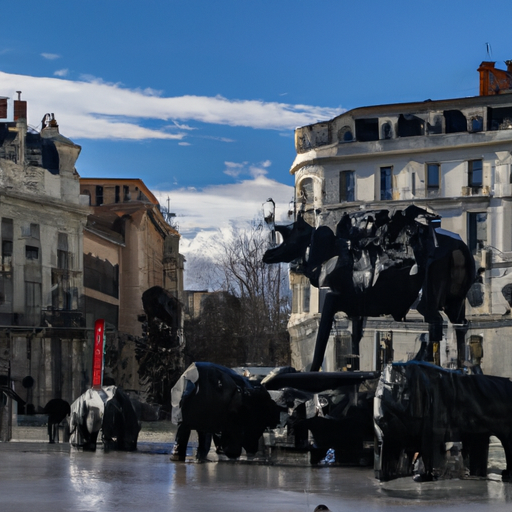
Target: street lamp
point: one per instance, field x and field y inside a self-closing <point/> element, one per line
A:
<point x="269" y="215"/>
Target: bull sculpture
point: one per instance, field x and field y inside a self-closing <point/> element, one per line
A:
<point x="336" y="407"/>
<point x="422" y="408"/>
<point x="376" y="264"/>
<point x="108" y="409"/>
<point x="214" y="399"/>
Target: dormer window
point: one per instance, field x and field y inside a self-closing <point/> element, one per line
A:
<point x="387" y="131"/>
<point x="477" y="124"/>
<point x="345" y="134"/>
<point x="367" y="129"/>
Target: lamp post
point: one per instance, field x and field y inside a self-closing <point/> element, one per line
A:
<point x="269" y="213"/>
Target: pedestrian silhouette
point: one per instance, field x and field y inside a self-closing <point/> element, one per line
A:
<point x="57" y="409"/>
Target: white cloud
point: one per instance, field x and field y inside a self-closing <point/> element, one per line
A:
<point x="221" y="139"/>
<point x="91" y="108"/>
<point x="61" y="72"/>
<point x="259" y="170"/>
<point x="50" y="56"/>
<point x="200" y="214"/>
<point x="149" y="91"/>
<point x="234" y="169"/>
<point x="182" y="126"/>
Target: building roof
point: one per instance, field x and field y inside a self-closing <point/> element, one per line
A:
<point x="122" y="181"/>
<point x="489" y="96"/>
<point x="426" y="106"/>
<point x="106" y="226"/>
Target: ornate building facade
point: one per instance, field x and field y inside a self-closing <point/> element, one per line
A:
<point x="42" y="350"/>
<point x="450" y="156"/>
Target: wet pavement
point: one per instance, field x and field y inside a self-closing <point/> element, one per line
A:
<point x="43" y="477"/>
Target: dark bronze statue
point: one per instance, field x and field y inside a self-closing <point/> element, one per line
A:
<point x="107" y="409"/>
<point x="213" y="399"/>
<point x="376" y="264"/>
<point x="430" y="411"/>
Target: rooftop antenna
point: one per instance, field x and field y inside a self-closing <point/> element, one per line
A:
<point x="169" y="215"/>
<point x="489" y="50"/>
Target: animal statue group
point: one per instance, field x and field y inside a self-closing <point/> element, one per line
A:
<point x="213" y="399"/>
<point x="336" y="407"/>
<point x="422" y="408"/>
<point x="377" y="263"/>
<point x="108" y="409"/>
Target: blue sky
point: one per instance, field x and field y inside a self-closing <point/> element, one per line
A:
<point x="200" y="98"/>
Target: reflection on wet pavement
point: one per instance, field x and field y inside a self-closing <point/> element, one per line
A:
<point x="78" y="481"/>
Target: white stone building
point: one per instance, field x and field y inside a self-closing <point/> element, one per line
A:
<point x="451" y="156"/>
<point x="43" y="353"/>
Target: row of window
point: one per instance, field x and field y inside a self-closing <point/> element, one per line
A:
<point x="99" y="194"/>
<point x="412" y="125"/>
<point x="475" y="174"/>
<point x="63" y="297"/>
<point x="432" y="178"/>
<point x="32" y="251"/>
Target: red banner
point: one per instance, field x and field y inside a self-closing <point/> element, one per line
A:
<point x="97" y="358"/>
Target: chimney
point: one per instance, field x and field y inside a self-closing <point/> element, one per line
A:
<point x="3" y="108"/>
<point x="494" y="80"/>
<point x="20" y="108"/>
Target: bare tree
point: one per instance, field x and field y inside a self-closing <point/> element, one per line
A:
<point x="258" y="334"/>
<point x="262" y="290"/>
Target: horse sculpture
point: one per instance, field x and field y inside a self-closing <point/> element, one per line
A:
<point x="376" y="264"/>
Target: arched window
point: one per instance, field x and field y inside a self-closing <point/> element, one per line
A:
<point x="345" y="134"/>
<point x="306" y="192"/>
<point x="387" y="131"/>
